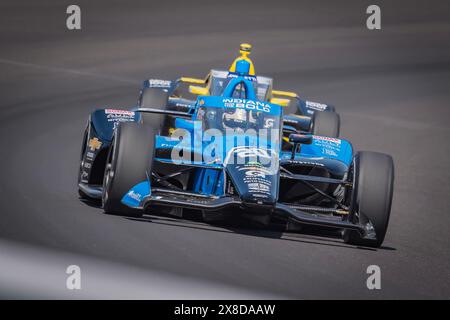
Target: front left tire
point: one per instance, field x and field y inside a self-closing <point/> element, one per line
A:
<point x="81" y="194"/>
<point x="129" y="162"/>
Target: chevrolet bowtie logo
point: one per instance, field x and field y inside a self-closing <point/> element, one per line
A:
<point x="94" y="144"/>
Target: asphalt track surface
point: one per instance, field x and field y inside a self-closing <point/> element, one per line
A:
<point x="391" y="87"/>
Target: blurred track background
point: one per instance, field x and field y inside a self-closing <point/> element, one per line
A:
<point x="391" y="87"/>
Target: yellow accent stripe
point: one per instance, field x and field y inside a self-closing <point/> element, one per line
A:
<point x="284" y="93"/>
<point x="193" y="80"/>
<point x="198" y="90"/>
<point x="282" y="102"/>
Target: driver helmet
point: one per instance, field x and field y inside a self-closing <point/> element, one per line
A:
<point x="241" y="118"/>
<point x="235" y="118"/>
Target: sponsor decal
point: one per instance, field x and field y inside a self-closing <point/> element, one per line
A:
<point x="90" y="155"/>
<point x="261" y="159"/>
<point x="182" y="105"/>
<point x="158" y="83"/>
<point x="255" y="178"/>
<point x="255" y="186"/>
<point x="330" y="152"/>
<point x="290" y="121"/>
<point x="329" y="146"/>
<point x="334" y="140"/>
<point x="84" y="176"/>
<point x="117" y="121"/>
<point x="134" y="195"/>
<point x="257" y="195"/>
<point x="118" y="112"/>
<point x="246" y="104"/>
<point x="258" y="186"/>
<point x="94" y="144"/>
<point x="316" y="105"/>
<point x="256" y="171"/>
<point x="269" y="123"/>
<point x="245" y="152"/>
<point x="308" y="163"/>
<point x="251" y="167"/>
<point x="166" y="145"/>
<point x="117" y="116"/>
<point x="235" y="75"/>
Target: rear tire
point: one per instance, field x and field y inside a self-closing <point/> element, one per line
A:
<point x="156" y="99"/>
<point x="326" y="124"/>
<point x="371" y="199"/>
<point x="129" y="161"/>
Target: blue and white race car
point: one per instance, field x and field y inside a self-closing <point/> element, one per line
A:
<point x="233" y="155"/>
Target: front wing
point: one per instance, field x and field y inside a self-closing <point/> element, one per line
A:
<point x="163" y="197"/>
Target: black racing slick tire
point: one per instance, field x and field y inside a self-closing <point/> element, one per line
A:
<point x="81" y="194"/>
<point x="371" y="199"/>
<point x="154" y="98"/>
<point x="129" y="162"/>
<point x="326" y="123"/>
<point x="292" y="108"/>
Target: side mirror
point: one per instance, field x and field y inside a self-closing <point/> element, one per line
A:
<point x="300" y="138"/>
<point x="201" y="91"/>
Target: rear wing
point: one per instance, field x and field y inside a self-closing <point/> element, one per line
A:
<point x="306" y="107"/>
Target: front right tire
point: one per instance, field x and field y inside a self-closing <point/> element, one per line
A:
<point x="371" y="198"/>
<point x="154" y="98"/>
<point x="326" y="123"/>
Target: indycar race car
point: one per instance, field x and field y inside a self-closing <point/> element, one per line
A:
<point x="233" y="154"/>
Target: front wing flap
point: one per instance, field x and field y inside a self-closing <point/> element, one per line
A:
<point x="171" y="198"/>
